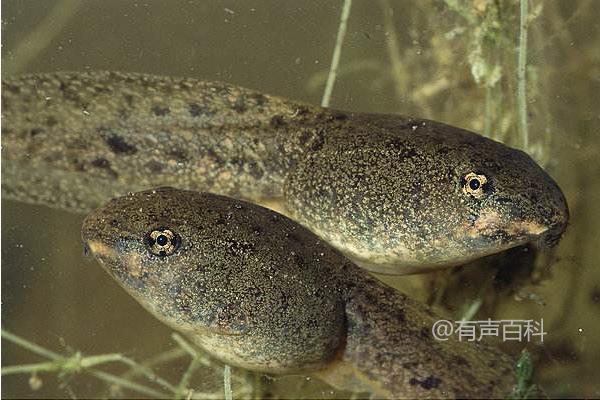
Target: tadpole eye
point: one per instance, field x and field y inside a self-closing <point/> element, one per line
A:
<point x="473" y="184"/>
<point x="162" y="242"/>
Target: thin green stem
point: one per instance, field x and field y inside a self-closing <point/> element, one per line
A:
<point x="157" y="359"/>
<point x="184" y="345"/>
<point x="41" y="36"/>
<point x="393" y="47"/>
<point x="77" y="362"/>
<point x="120" y="382"/>
<point x="487" y="124"/>
<point x="34" y="348"/>
<point x="146" y="372"/>
<point x="472" y="309"/>
<point x="31" y="368"/>
<point x="227" y="383"/>
<point x="522" y="76"/>
<point x="337" y="52"/>
<point x="91" y="361"/>
<point x="184" y="383"/>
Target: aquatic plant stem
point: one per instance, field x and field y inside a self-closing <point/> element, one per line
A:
<point x="227" y="383"/>
<point x="200" y="360"/>
<point x="76" y="363"/>
<point x="185" y="379"/>
<point x="522" y="76"/>
<point x="487" y="124"/>
<point x="337" y="52"/>
<point x="41" y="36"/>
<point x="472" y="309"/>
<point x="399" y="72"/>
<point x="160" y="358"/>
<point x="34" y="348"/>
<point x="115" y="380"/>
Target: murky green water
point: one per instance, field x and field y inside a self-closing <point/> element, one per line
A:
<point x="456" y="65"/>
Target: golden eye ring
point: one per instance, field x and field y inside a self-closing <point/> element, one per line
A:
<point x="163" y="242"/>
<point x="473" y="184"/>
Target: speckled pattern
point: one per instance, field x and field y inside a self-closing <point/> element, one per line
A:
<point x="386" y="190"/>
<point x="75" y="140"/>
<point x="258" y="290"/>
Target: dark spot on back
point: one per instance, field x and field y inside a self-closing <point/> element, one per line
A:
<point x="431" y="382"/>
<point x="154" y="166"/>
<point x="36" y="131"/>
<point x="277" y="121"/>
<point x="304" y="138"/>
<point x="104" y="164"/>
<point x="459" y="360"/>
<point x="118" y="145"/>
<point x="196" y="110"/>
<point x="160" y="111"/>
<point x="101" y="163"/>
<point x="255" y="171"/>
<point x="339" y="116"/>
<point x="178" y="154"/>
<point x="318" y="141"/>
<point x="240" y="104"/>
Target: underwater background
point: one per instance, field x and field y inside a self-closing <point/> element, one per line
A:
<point x="454" y="61"/>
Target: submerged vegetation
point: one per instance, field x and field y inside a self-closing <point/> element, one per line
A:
<point x="486" y="65"/>
<point x="68" y="366"/>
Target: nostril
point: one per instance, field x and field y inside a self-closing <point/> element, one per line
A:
<point x="86" y="250"/>
<point x="554" y="234"/>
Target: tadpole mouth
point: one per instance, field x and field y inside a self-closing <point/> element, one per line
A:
<point x="552" y="236"/>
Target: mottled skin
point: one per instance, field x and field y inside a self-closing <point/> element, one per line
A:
<point x="386" y="190"/>
<point x="257" y="290"/>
